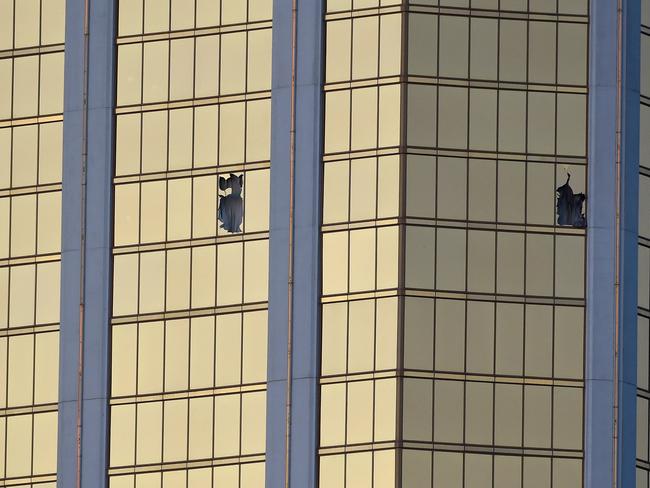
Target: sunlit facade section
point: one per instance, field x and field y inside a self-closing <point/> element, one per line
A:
<point x="643" y="332"/>
<point x="189" y="322"/>
<point x="32" y="38"/>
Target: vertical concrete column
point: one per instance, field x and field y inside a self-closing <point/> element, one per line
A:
<point x="94" y="274"/>
<point x="305" y="338"/>
<point x="601" y="243"/>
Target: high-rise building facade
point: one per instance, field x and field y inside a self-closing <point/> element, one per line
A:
<point x="324" y="243"/>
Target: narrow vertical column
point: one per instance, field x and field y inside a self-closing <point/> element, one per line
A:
<point x="306" y="282"/>
<point x="89" y="69"/>
<point x="602" y="450"/>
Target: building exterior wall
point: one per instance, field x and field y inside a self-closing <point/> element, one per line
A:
<point x="31" y="126"/>
<point x="189" y="321"/>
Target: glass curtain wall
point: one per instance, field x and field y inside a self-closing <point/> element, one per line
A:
<point x="189" y="322"/>
<point x="643" y="351"/>
<point x="32" y="39"/>
<point x="485" y="330"/>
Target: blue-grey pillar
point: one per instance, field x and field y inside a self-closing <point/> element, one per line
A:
<point x="97" y="228"/>
<point x="306" y="350"/>
<point x="601" y="247"/>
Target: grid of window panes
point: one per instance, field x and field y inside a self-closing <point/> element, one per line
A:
<point x="31" y="120"/>
<point x="490" y="309"/>
<point x="189" y="323"/>
<point x="361" y="165"/>
<point x="643" y="353"/>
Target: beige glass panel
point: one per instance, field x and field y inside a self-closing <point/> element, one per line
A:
<point x="364" y="118"/>
<point x="21" y="370"/>
<point x="50" y="154"/>
<point x="482" y="119"/>
<point x="125" y="284"/>
<point x="512" y="50"/>
<point x="448" y="469"/>
<point x="6" y="74"/>
<point x="127" y="145"/>
<point x="228" y="350"/>
<point x="204" y="207"/>
<point x="4" y="296"/>
<point x="226" y="425"/>
<point x="567" y="473"/>
<point x="541" y="52"/>
<point x="124" y="351"/>
<point x="152" y="205"/>
<point x="420" y="186"/>
<point x="255" y="342"/>
<point x="226" y="475"/>
<point x="568" y="349"/>
<point x="46" y="379"/>
<point x="48" y="292"/>
<point x="567" y="418"/>
<point x="389" y="115"/>
<point x="256" y="265"/>
<point x="152" y="282"/>
<point x="200" y="428"/>
<point x="127" y="221"/>
<point x="182" y="65"/>
<point x="233" y="11"/>
<point x="206" y="120"/>
<point x="335" y="262"/>
<point x="539" y="264"/>
<point x="363" y="180"/>
<point x="18" y="446"/>
<point x="358" y="471"/>
<point x="337" y="5"/>
<point x="507" y="471"/>
<point x="482" y="190"/>
<point x="539" y="341"/>
<point x="51" y="84"/>
<point x="361" y="333"/>
<point x="21" y="295"/>
<point x="452" y="108"/>
<point x="175" y="431"/>
<point x="537" y="472"/>
<point x="450" y="265"/>
<point x="510" y="262"/>
<point x="483" y="48"/>
<point x="130" y="17"/>
<point x="480" y="337"/>
<point x="418" y="409"/>
<point x="334" y="338"/>
<point x="156" y="17"/>
<point x="335" y="193"/>
<point x="182" y="14"/>
<point x="416" y="468"/>
<point x="180" y="139"/>
<point x="418" y="333"/>
<point x="149" y="433"/>
<point x="337" y="121"/>
<point x="24" y="148"/>
<point x="572" y="53"/>
<point x="154" y="135"/>
<point x="233" y="61"/>
<point x="174" y="479"/>
<point x="122" y="443"/>
<point x="454" y="49"/>
<point x="129" y="74"/>
<point x="256" y="200"/>
<point x="423" y="43"/>
<point x="338" y="49"/>
<point x="147" y="480"/>
<point x="231" y="133"/>
<point x="155" y="75"/>
<point x="541" y="201"/>
<point x="448" y="411"/>
<point x="509" y="338"/>
<point x="420" y="255"/>
<point x="260" y="10"/>
<point x="177" y="349"/>
<point x="253" y="436"/>
<point x="44" y="451"/>
<point x="643" y="353"/>
<point x="450" y="335"/>
<point x="206" y="75"/>
<point x="365" y="47"/>
<point x="26" y="20"/>
<point x="478" y="413"/>
<point x="478" y="468"/>
<point x="150" y="357"/>
<point x="6" y="24"/>
<point x="362" y="260"/>
<point x="203" y="276"/>
<point x="359" y="404"/>
<point x="259" y="60"/>
<point x="5" y="155"/>
<point x="512" y="121"/>
<point x="385" y="410"/>
<point x="3" y="428"/>
<point x="511" y="203"/>
<point x="252" y="475"/>
<point x="202" y="353"/>
<point x="229" y="274"/>
<point x="569" y="266"/>
<point x="179" y="209"/>
<point x="508" y="400"/>
<point x="198" y="478"/>
<point x="4" y="227"/>
<point x="571" y="124"/>
<point x="332" y="471"/>
<point x="480" y="261"/>
<point x="332" y="419"/>
<point x="207" y="13"/>
<point x="541" y="122"/>
<point x="388" y="190"/>
<point x="537" y="416"/>
<point x="258" y="130"/>
<point x="390" y="45"/>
